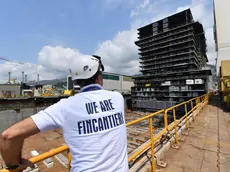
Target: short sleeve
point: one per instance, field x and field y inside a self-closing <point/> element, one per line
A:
<point x="51" y="118"/>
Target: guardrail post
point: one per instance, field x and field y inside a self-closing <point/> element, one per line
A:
<point x="152" y="143"/>
<point x="166" y="120"/>
<point x="186" y="114"/>
<point x="175" y="126"/>
<point x="69" y="160"/>
<point x="202" y="101"/>
<point x="193" y="117"/>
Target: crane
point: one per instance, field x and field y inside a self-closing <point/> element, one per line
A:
<point x="20" y="63"/>
<point x="12" y="61"/>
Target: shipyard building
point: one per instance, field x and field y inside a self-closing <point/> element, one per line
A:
<point x="172" y="61"/>
<point x="112" y="82"/>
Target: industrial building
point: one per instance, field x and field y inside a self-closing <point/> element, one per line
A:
<point x="221" y="31"/>
<point x="121" y="83"/>
<point x="10" y="90"/>
<point x="111" y="81"/>
<point x="173" y="59"/>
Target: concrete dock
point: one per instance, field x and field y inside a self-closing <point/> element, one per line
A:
<point x="207" y="146"/>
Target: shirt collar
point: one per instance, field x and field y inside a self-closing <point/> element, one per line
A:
<point x="91" y="87"/>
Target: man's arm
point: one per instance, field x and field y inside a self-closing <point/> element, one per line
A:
<point x="13" y="138"/>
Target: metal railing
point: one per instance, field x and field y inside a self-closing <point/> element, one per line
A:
<point x="153" y="138"/>
<point x="151" y="144"/>
<point x="194" y="103"/>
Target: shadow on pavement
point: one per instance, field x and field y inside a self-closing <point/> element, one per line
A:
<point x="217" y="102"/>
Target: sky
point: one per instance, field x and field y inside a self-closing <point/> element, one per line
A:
<point x="48" y="35"/>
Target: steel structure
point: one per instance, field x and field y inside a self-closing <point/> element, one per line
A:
<point x="173" y="56"/>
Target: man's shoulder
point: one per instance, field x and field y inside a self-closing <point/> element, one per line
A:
<point x="114" y="93"/>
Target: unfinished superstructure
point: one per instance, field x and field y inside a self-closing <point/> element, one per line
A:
<point x="173" y="57"/>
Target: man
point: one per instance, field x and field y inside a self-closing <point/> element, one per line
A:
<point x="92" y="122"/>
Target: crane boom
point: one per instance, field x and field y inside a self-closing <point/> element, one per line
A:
<point x="12" y="61"/>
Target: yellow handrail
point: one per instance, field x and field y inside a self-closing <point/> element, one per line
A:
<point x="151" y="137"/>
<point x="44" y="156"/>
<point x="198" y="100"/>
<point x="176" y="122"/>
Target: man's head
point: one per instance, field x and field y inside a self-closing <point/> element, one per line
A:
<point x="95" y="79"/>
<point x="88" y="71"/>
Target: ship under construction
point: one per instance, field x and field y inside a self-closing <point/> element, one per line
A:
<point x="175" y="80"/>
<point x="173" y="59"/>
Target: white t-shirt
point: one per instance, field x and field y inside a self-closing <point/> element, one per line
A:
<point x="94" y="128"/>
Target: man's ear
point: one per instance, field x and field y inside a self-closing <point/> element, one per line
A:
<point x="99" y="79"/>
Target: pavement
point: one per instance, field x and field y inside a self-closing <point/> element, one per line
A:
<point x="207" y="146"/>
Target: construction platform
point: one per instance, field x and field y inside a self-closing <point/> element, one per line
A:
<point x="207" y="146"/>
<point x="204" y="147"/>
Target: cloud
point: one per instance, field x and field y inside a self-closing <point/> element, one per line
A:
<point x="53" y="63"/>
<point x="57" y="58"/>
<point x="117" y="4"/>
<point x="138" y="9"/>
<point x="120" y="54"/>
<point x="16" y="69"/>
<point x="200" y="9"/>
<point x="212" y="55"/>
